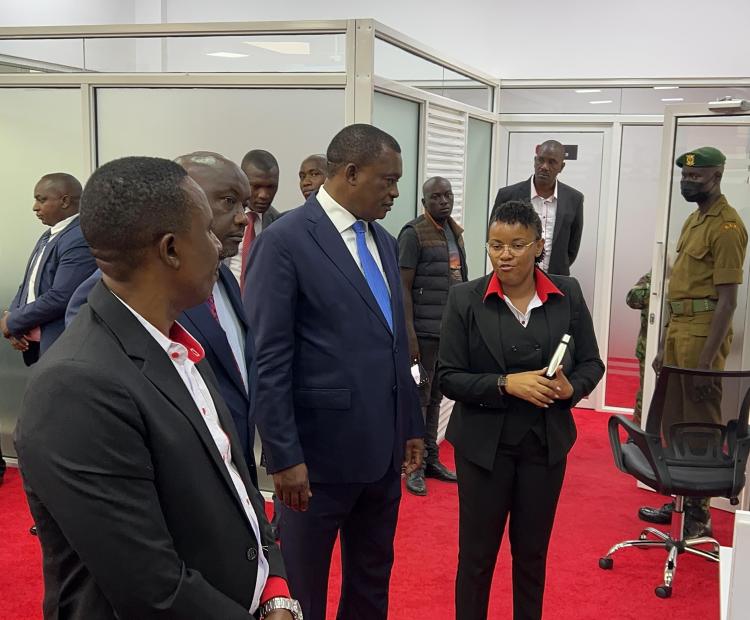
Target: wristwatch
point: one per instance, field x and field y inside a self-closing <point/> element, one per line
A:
<point x="281" y="602"/>
<point x="501" y="381"/>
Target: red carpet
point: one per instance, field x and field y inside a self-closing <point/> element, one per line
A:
<point x="597" y="509"/>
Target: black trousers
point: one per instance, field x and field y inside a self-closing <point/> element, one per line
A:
<point x="523" y="485"/>
<point x="365" y="516"/>
<point x="430" y="398"/>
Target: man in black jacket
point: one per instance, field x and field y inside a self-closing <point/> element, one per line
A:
<point x="132" y="467"/>
<point x="559" y="206"/>
<point x="431" y="260"/>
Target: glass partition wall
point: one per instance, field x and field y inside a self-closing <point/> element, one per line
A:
<point x="72" y="98"/>
<point x="629" y="114"/>
<point x="287" y="87"/>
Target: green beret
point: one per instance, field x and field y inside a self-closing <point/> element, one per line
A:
<point x="703" y="157"/>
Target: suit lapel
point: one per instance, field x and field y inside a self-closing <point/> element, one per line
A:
<point x="45" y="257"/>
<point x="486" y="314"/>
<point x="562" y="205"/>
<point x="158" y="369"/>
<point x="557" y="312"/>
<point x="233" y="291"/>
<point x="214" y="337"/>
<point x="330" y="242"/>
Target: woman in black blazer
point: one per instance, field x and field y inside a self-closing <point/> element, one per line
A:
<point x="512" y="427"/>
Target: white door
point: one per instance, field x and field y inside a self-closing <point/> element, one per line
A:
<point x="688" y="127"/>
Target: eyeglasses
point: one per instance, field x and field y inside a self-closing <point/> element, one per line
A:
<point x="516" y="248"/>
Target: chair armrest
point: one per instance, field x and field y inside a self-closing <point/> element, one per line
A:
<point x="648" y="444"/>
<point x="739" y="455"/>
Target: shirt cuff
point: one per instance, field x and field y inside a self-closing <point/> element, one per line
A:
<point x="275" y="587"/>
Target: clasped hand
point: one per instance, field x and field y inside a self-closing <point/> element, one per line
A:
<point x="534" y="387"/>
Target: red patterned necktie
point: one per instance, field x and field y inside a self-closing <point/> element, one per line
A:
<point x="212" y="308"/>
<point x="247" y="241"/>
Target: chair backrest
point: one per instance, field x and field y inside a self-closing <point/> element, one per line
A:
<point x="701" y="416"/>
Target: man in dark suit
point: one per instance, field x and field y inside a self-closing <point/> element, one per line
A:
<point x="136" y="483"/>
<point x="559" y="206"/>
<point x="262" y="171"/>
<point x="337" y="408"/>
<point x="60" y="261"/>
<point x="219" y="323"/>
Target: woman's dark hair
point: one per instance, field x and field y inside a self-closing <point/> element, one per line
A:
<point x="518" y="212"/>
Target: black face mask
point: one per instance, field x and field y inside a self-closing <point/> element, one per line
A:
<point x="694" y="191"/>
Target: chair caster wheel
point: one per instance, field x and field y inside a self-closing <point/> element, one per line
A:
<point x="606" y="563"/>
<point x="663" y="591"/>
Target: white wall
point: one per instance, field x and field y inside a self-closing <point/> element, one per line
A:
<point x="507" y="38"/>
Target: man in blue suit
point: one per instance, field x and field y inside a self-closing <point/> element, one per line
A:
<point x="218" y="324"/>
<point x="60" y="261"/>
<point x="337" y="407"/>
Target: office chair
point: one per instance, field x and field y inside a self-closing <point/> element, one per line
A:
<point x="678" y="454"/>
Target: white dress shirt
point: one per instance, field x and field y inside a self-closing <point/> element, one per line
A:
<point x="185" y="352"/>
<point x="523" y="317"/>
<point x="546" y="209"/>
<point x="343" y="220"/>
<point x="235" y="262"/>
<point x="54" y="231"/>
<point x="232" y="327"/>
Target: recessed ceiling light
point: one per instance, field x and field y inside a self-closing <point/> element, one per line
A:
<point x="283" y="47"/>
<point x="600" y="102"/>
<point x="589" y="90"/>
<point x="665" y="87"/>
<point x="674" y="99"/>
<point x="226" y="55"/>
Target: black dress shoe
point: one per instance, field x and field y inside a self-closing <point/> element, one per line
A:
<point x="662" y="515"/>
<point x="415" y="483"/>
<point x="32" y="530"/>
<point x="439" y="471"/>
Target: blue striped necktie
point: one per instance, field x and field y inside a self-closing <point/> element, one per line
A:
<point x="372" y="273"/>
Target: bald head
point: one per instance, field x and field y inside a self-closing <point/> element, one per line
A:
<point x="437" y="198"/>
<point x="56" y="197"/>
<point x="312" y="174"/>
<point x="549" y="161"/>
<point x="228" y="193"/>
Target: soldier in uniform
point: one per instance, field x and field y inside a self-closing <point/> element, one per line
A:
<point x="701" y="300"/>
<point x="637" y="298"/>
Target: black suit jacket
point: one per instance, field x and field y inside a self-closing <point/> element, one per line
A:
<point x="136" y="512"/>
<point x="471" y="359"/>
<point x="240" y="401"/>
<point x="566" y="240"/>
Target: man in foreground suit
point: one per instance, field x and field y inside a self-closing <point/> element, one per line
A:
<point x="219" y="322"/>
<point x="60" y="261"/>
<point x="559" y="206"/>
<point x="129" y="456"/>
<point x="262" y="171"/>
<point x="337" y="408"/>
